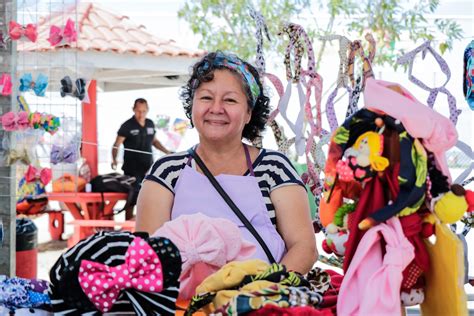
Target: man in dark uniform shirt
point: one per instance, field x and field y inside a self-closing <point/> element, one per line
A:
<point x="137" y="136"/>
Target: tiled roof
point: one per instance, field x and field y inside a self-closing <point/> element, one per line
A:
<point x="105" y="31"/>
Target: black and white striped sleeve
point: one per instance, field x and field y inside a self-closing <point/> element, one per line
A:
<point x="166" y="170"/>
<point x="278" y="171"/>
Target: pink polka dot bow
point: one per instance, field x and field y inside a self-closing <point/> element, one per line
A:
<point x="141" y="271"/>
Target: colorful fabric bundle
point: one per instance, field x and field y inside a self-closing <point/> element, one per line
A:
<point x="206" y="244"/>
<point x="246" y="278"/>
<point x="468" y="80"/>
<point x="274" y="310"/>
<point x="49" y="123"/>
<point x="18" y="293"/>
<point x="95" y="263"/>
<point x="33" y="183"/>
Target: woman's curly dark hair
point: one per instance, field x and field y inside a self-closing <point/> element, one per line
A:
<point x="203" y="71"/>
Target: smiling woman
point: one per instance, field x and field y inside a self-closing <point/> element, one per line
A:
<point x="225" y="101"/>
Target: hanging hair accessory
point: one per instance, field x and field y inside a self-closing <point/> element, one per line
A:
<point x="23" y="104"/>
<point x="358" y="84"/>
<point x="260" y="30"/>
<point x="409" y="58"/>
<point x="65" y="35"/>
<point x="39" y="86"/>
<point x="78" y="91"/>
<point x="295" y="45"/>
<point x="3" y="40"/>
<point x="33" y="174"/>
<point x="342" y="78"/>
<point x="17" y="31"/>
<point x="6" y="84"/>
<point x="12" y="121"/>
<point x="468" y="82"/>
<point x="47" y="122"/>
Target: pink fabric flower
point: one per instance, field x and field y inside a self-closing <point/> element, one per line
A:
<point x="205" y="244"/>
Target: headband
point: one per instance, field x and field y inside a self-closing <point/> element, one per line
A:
<point x="236" y="64"/>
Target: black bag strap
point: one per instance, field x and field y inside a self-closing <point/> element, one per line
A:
<point x="231" y="204"/>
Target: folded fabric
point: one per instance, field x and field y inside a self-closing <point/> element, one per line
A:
<point x="206" y="244"/>
<point x="275" y="295"/>
<point x="110" y="249"/>
<point x="275" y="274"/>
<point x="445" y="294"/>
<point x="438" y="133"/>
<point x="290" y="311"/>
<point x="231" y="275"/>
<point x="372" y="270"/>
<point x="23" y="293"/>
<point x="224" y="296"/>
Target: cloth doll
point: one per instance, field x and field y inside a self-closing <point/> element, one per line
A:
<point x="336" y="232"/>
<point x="364" y="158"/>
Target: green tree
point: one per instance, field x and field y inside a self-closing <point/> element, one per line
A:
<point x="227" y="25"/>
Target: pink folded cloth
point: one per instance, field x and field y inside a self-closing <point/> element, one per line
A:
<point x="206" y="244"/>
<point x="371" y="285"/>
<point x="436" y="131"/>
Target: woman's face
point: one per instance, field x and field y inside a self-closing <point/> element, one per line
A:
<point x="220" y="110"/>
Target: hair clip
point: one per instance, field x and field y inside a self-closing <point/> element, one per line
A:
<point x="12" y="121"/>
<point x="6" y="84"/>
<point x="79" y="91"/>
<point x="33" y="174"/>
<point x="47" y="122"/>
<point x="68" y="154"/>
<point x="23" y="104"/>
<point x="15" y="155"/>
<point x="3" y="40"/>
<point x="62" y="36"/>
<point x="16" y="31"/>
<point x="39" y="86"/>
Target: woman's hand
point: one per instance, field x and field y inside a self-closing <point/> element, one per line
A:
<point x="153" y="207"/>
<point x="295" y="227"/>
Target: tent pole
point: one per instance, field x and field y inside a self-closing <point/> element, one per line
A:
<point x="89" y="129"/>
